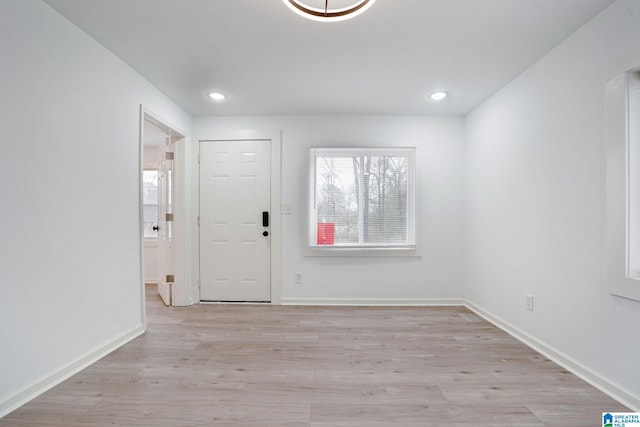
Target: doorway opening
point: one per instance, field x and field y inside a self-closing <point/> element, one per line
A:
<point x="158" y="208"/>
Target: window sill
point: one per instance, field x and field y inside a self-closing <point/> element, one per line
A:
<point x="359" y="251"/>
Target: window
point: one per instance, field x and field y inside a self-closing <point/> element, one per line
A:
<point x="362" y="198"/>
<point x="150" y="203"/>
<point x="633" y="174"/>
<point x="622" y="230"/>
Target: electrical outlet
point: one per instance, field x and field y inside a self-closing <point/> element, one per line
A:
<point x="529" y="299"/>
<point x="298" y="278"/>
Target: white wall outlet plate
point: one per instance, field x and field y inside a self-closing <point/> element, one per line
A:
<point x="529" y="302"/>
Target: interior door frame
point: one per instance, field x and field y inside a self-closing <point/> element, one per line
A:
<point x="182" y="209"/>
<point x="275" y="138"/>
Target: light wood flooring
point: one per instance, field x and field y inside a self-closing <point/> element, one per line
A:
<point x="261" y="365"/>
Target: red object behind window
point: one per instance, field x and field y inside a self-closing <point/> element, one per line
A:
<point x="326" y="233"/>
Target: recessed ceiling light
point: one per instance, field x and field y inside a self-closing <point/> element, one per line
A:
<point x="438" y="96"/>
<point x="217" y="96"/>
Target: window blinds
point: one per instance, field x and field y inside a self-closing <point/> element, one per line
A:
<point x="362" y="197"/>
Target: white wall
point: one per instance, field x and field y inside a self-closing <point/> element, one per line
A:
<point x="436" y="274"/>
<point x="70" y="245"/>
<point x="535" y="207"/>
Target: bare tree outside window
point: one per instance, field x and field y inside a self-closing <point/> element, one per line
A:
<point x="365" y="196"/>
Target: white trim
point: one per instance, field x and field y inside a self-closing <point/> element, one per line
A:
<point x="605" y="385"/>
<point x="418" y="302"/>
<point x="34" y="390"/>
<point x="182" y="288"/>
<point x="616" y="207"/>
<point x="276" y="218"/>
<point x="143" y="298"/>
<point x="345" y="251"/>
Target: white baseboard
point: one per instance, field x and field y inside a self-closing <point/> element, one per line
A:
<point x="600" y="382"/>
<point x="374" y="301"/>
<point x="56" y="377"/>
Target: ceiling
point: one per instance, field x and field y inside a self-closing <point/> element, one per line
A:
<point x="268" y="60"/>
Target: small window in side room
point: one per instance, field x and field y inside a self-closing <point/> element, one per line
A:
<point x="150" y="203"/>
<point x="362" y="198"/>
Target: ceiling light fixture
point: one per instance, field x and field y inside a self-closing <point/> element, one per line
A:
<point x="217" y="96"/>
<point x="438" y="96"/>
<point x="329" y="10"/>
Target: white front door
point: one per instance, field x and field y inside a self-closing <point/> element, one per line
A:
<point x="235" y="196"/>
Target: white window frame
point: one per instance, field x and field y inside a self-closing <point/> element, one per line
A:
<point x="621" y="281"/>
<point x="632" y="125"/>
<point x="408" y="249"/>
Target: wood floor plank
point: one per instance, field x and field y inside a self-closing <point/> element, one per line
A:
<point x="568" y="415"/>
<point x="421" y="415"/>
<point x="262" y="365"/>
<point x="198" y="412"/>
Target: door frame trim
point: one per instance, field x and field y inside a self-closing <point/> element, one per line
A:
<point x="275" y="137"/>
<point x="182" y="208"/>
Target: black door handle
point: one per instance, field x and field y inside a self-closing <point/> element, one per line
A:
<point x="156" y="228"/>
<point x="265" y="219"/>
<point x="265" y="234"/>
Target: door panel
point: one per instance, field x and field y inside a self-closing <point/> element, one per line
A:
<point x="235" y="257"/>
<point x="165" y="232"/>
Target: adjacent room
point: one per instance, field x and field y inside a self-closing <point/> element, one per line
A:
<point x="320" y="213"/>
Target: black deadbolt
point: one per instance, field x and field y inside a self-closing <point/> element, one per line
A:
<point x="265" y="234"/>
